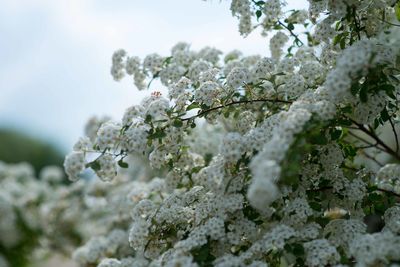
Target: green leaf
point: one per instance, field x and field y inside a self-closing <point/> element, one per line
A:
<point x="322" y="221"/>
<point x="349" y="151"/>
<point x="342" y="43"/>
<point x="385" y="115"/>
<point x="363" y="94"/>
<point x="318" y="139"/>
<point x="177" y="123"/>
<point x="202" y="255"/>
<point x="147" y="119"/>
<point x="355" y="88"/>
<point x="376" y="123"/>
<point x="252" y="214"/>
<point x="94" y="165"/>
<point x="123" y="164"/>
<point x="315" y="206"/>
<point x="389" y="89"/>
<point x="374" y="197"/>
<point x="336" y="134"/>
<point x="167" y="60"/>
<point x="158" y="134"/>
<point x="192" y="106"/>
<point x="344" y="122"/>
<point x="397" y="10"/>
<point x="338" y="27"/>
<point x="290" y="26"/>
<point x="298" y="249"/>
<point x="227" y="113"/>
<point x="347" y="109"/>
<point x="258" y="14"/>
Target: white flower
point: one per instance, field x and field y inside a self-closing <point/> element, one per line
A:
<point x="261" y="193"/>
<point x="238" y="77"/>
<point x="320" y="253"/>
<point x="109" y="263"/>
<point x="74" y="164"/>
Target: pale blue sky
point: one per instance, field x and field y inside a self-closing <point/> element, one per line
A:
<point x="55" y="55"/>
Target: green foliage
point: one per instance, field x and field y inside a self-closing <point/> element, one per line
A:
<point x="19" y="255"/>
<point x="17" y="147"/>
<point x="202" y="255"/>
<point x="123" y="164"/>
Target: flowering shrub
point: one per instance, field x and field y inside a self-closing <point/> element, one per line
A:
<point x="252" y="160"/>
<point x="29" y="220"/>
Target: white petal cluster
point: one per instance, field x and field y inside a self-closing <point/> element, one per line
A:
<point x="74" y="164"/>
<point x="392" y="219"/>
<point x="370" y="249"/>
<point x="320" y="253"/>
<point x="388" y="177"/>
<point x="248" y="160"/>
<point x="341" y="232"/>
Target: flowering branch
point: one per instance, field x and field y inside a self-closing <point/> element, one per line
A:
<point x="236" y="103"/>
<point x="296" y="37"/>
<point x="376" y="138"/>
<point x="395" y="134"/>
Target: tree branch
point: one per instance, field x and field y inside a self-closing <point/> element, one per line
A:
<point x="377" y="189"/>
<point x="296" y="37"/>
<point x="376" y="138"/>
<point x="236" y="103"/>
<point x="395" y="134"/>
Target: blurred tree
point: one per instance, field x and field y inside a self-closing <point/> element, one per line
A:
<point x="16" y="147"/>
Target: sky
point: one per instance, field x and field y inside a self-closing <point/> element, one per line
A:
<point x="55" y="56"/>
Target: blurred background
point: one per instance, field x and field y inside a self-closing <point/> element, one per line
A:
<point x="55" y="59"/>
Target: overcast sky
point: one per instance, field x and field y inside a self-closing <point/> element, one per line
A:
<point x="55" y="55"/>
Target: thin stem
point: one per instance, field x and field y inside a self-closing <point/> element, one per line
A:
<point x="296" y="37"/>
<point x="395" y="134"/>
<point x="373" y="159"/>
<point x="376" y="138"/>
<point x="367" y="142"/>
<point x="390" y="23"/>
<point x="236" y="103"/>
<point x="388" y="192"/>
<point x="356" y="23"/>
<point x="377" y="189"/>
<point x="255" y="2"/>
<point x="367" y="146"/>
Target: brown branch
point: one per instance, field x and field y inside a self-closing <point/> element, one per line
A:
<point x="390" y="23"/>
<point x="376" y="138"/>
<point x="235" y="103"/>
<point x="367" y="142"/>
<point x="388" y="192"/>
<point x="296" y="37"/>
<point x="373" y="159"/>
<point x="395" y="134"/>
<point x="377" y="189"/>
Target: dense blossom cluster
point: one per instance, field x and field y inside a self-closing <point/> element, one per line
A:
<point x="247" y="160"/>
<point x="29" y="217"/>
<point x="259" y="161"/>
<point x="46" y="215"/>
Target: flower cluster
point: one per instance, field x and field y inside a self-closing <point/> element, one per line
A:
<point x="255" y="160"/>
<point x="26" y="224"/>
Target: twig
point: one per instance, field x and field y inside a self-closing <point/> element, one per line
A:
<point x="376" y="138"/>
<point x="377" y="189"/>
<point x="296" y="37"/>
<point x="236" y="103"/>
<point x="388" y="192"/>
<point x="390" y="23"/>
<point x="356" y="23"/>
<point x="395" y="134"/>
<point x="367" y="142"/>
<point x="373" y="159"/>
